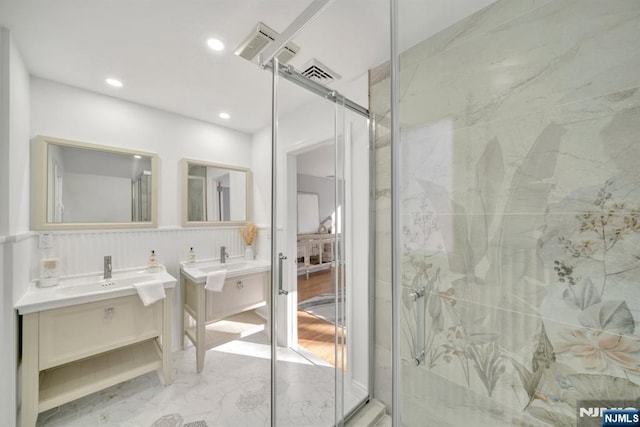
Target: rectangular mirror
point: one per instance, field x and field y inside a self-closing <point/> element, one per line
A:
<point x="80" y="185"/>
<point x="214" y="194"/>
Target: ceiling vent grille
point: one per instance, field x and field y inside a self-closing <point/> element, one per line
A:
<point x="259" y="38"/>
<point x="318" y="72"/>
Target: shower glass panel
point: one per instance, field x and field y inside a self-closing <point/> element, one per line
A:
<point x="310" y="319"/>
<point x="519" y="212"/>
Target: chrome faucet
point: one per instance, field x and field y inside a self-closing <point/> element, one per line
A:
<point x="107" y="267"/>
<point x="223" y="254"/>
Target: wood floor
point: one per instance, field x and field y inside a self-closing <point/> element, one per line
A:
<point x="314" y="334"/>
<point x="319" y="282"/>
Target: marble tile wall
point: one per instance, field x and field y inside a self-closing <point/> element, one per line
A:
<point x="379" y="106"/>
<point x="520" y="204"/>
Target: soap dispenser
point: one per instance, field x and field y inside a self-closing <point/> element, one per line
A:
<point x="153" y="261"/>
<point x="191" y="256"/>
<point x="49" y="270"/>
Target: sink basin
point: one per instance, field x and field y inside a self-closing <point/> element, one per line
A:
<point x="198" y="272"/>
<point x="100" y="284"/>
<point x="230" y="266"/>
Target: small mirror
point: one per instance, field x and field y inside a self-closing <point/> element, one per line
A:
<point x="81" y="185"/>
<point x="214" y="194"/>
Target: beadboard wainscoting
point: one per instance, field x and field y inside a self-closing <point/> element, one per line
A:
<point x="83" y="252"/>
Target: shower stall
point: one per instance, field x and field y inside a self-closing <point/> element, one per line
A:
<point x="514" y="252"/>
<point x="504" y="235"/>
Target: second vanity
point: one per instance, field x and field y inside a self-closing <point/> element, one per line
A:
<point x="89" y="333"/>
<point x="229" y="313"/>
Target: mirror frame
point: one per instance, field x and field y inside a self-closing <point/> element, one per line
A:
<point x="184" y="163"/>
<point x="39" y="165"/>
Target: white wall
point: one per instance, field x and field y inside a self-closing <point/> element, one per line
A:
<point x="319" y="161"/>
<point x="7" y="360"/>
<point x="19" y="178"/>
<point x="19" y="148"/>
<point x="304" y="127"/>
<point x="66" y="112"/>
<point x="324" y="188"/>
<point x="7" y="318"/>
<point x="4" y="130"/>
<point x="15" y="240"/>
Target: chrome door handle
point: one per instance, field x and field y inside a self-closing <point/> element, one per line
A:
<point x="280" y="290"/>
<point x="420" y="349"/>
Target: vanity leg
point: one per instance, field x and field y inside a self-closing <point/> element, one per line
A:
<point x="185" y="316"/>
<point x="267" y="298"/>
<point x="30" y="370"/>
<point x="201" y="324"/>
<point x="167" y="341"/>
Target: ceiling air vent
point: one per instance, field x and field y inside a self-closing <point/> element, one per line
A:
<point x="318" y="72"/>
<point x="258" y="39"/>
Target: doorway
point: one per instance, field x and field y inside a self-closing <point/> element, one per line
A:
<point x="321" y="281"/>
<point x="319" y="308"/>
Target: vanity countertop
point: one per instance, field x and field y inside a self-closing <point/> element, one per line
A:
<point x="197" y="272"/>
<point x="88" y="288"/>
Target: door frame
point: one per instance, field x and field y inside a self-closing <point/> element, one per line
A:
<point x="287" y="230"/>
<point x="290" y="233"/>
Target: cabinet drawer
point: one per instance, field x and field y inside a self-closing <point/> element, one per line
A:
<point x="83" y="330"/>
<point x="239" y="294"/>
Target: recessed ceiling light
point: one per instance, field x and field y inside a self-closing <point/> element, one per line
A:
<point x="224" y="115"/>
<point x="113" y="82"/>
<point x="137" y="156"/>
<point x="215" y="44"/>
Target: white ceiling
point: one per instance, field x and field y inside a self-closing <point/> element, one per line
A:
<point x="158" y="47"/>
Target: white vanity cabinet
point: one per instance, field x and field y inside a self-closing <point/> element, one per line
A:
<point x="229" y="313"/>
<point x="74" y="344"/>
<point x="239" y="294"/>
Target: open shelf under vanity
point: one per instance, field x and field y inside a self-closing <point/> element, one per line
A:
<point x="68" y="382"/>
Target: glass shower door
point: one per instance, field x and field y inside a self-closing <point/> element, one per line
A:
<point x="308" y="265"/>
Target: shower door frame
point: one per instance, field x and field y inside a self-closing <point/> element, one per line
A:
<point x="278" y="274"/>
<point x="268" y="61"/>
<point x="396" y="273"/>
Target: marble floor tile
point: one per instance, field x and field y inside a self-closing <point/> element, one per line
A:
<point x="232" y="390"/>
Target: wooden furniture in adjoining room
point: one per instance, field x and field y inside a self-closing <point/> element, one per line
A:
<point x="316" y="252"/>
